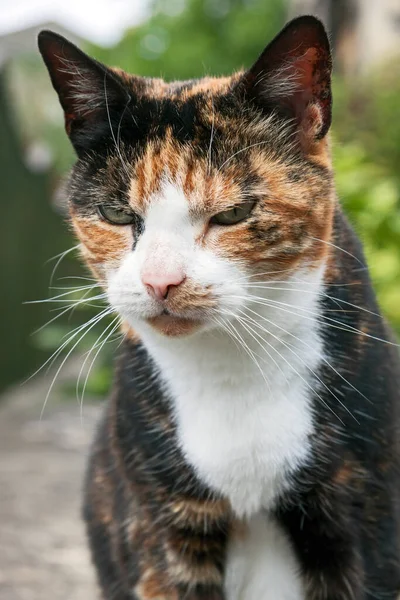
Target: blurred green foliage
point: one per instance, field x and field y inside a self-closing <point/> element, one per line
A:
<point x="184" y="39"/>
<point x="189" y="39"/>
<point x="366" y="131"/>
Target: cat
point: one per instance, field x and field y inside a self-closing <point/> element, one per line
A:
<point x="250" y="447"/>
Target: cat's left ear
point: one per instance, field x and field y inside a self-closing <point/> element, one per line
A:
<point x="92" y="95"/>
<point x="293" y="76"/>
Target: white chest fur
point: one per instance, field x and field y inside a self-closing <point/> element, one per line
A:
<point x="261" y="564"/>
<point x="243" y="427"/>
<point x="242" y="441"/>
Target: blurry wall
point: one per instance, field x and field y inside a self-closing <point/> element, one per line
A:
<point x="30" y="233"/>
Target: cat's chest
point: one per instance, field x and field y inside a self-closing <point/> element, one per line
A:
<point x="243" y="438"/>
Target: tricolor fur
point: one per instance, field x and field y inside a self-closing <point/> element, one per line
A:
<point x="250" y="448"/>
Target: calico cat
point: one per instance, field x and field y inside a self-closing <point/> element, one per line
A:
<point x="250" y="447"/>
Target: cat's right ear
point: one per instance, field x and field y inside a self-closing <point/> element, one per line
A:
<point x="293" y="77"/>
<point x="91" y="95"/>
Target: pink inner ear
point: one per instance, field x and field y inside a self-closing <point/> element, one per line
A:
<point x="310" y="99"/>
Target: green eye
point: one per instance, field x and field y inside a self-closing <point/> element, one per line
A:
<point x="233" y="215"/>
<point x="116" y="216"/>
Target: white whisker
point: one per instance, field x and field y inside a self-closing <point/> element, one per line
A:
<point x="58" y="300"/>
<point x="101" y="346"/>
<point x="296" y="371"/>
<point x="53" y="298"/>
<point x="323" y="319"/>
<point x="240" y="319"/>
<point x="211" y="136"/>
<point x="60" y="349"/>
<point x="60" y="258"/>
<point x="339" y="248"/>
<point x="324" y="294"/>
<point x="126" y="169"/>
<point x="246" y="348"/>
<point x="66" y="358"/>
<point x="291" y="350"/>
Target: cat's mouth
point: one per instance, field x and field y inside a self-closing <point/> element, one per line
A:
<point x="173" y="325"/>
<point x="183" y="312"/>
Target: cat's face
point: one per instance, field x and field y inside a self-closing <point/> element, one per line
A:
<point x="187" y="194"/>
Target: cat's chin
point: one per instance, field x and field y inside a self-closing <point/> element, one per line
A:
<point x="172" y="326"/>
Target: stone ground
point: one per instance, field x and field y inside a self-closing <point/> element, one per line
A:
<point x="43" y="552"/>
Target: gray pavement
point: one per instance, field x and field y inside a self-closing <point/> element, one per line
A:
<point x="43" y="552"/>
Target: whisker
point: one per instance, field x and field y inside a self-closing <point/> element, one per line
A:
<point x="296" y="282"/>
<point x="64" y="361"/>
<point x="211" y="136"/>
<point x="221" y="323"/>
<point x="101" y="346"/>
<point x="251" y="354"/>
<point x="77" y="277"/>
<point x="60" y="349"/>
<point x="258" y="342"/>
<point x="60" y="258"/>
<point x="341" y="249"/>
<point x="319" y="355"/>
<point x="72" y="334"/>
<point x="338" y="324"/>
<point x="119" y="124"/>
<point x="72" y="290"/>
<point x="79" y="327"/>
<point x="63" y="253"/>
<point x="284" y="129"/>
<point x="58" y="300"/>
<point x="86" y="302"/>
<point x="296" y="371"/>
<point x="243" y="150"/>
<point x="60" y="314"/>
<point x="333" y="298"/>
<point x="291" y="269"/>
<point x="111" y="127"/>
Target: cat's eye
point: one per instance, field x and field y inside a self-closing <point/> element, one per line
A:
<point x="116" y="216"/>
<point x="233" y="215"/>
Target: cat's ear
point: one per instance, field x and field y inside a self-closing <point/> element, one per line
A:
<point x="91" y="95"/>
<point x="293" y="75"/>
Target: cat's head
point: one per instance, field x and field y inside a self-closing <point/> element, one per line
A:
<point x="184" y="193"/>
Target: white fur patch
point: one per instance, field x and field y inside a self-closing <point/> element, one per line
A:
<point x="261" y="564"/>
<point x="244" y="427"/>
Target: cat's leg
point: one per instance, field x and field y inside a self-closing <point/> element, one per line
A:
<point x="328" y="548"/>
<point x="179" y="544"/>
<point x="148" y="540"/>
<point x="149" y="548"/>
<point x="108" y="547"/>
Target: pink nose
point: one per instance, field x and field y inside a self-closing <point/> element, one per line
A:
<point x="159" y="285"/>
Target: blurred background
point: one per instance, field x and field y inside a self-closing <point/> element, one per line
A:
<point x="41" y="454"/>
